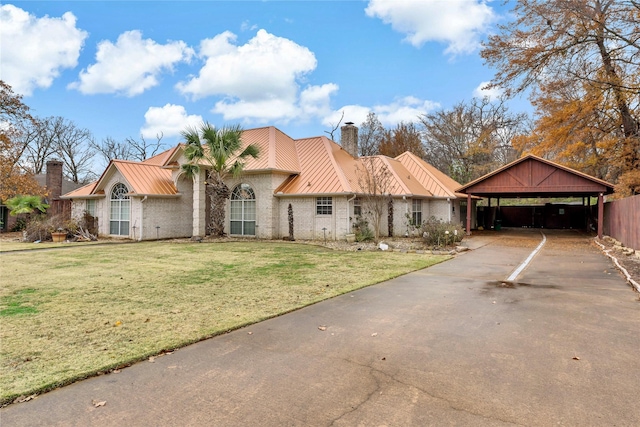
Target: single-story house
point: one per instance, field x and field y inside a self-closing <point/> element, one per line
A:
<point x="319" y="178"/>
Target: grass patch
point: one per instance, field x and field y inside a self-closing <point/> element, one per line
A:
<point x="89" y="309"/>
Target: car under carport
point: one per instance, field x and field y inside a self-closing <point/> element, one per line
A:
<point x="532" y="177"/>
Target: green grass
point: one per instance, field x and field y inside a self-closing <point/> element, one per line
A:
<point x="69" y="314"/>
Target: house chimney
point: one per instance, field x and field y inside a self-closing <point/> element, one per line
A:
<point x="349" y="138"/>
<point x="54" y="179"/>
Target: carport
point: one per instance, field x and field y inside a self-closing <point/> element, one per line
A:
<point x="532" y="176"/>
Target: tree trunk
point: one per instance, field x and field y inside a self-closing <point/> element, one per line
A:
<point x="290" y="213"/>
<point x="219" y="197"/>
<point x="390" y="217"/>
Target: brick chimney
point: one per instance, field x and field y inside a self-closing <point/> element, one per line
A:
<point x="54" y="179"/>
<point x="349" y="138"/>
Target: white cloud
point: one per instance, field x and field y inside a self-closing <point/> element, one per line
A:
<point x="248" y="26"/>
<point x="260" y="80"/>
<point x="458" y="23"/>
<point x="35" y="50"/>
<point x="405" y="109"/>
<point x="169" y="121"/>
<point x="131" y="65"/>
<point x="493" y="93"/>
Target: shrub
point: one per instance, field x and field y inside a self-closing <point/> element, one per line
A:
<point x="40" y="227"/>
<point x="439" y="233"/>
<point x="362" y="230"/>
<point x="21" y="224"/>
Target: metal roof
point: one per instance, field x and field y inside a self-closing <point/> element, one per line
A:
<point x="532" y="176"/>
<point x="436" y="182"/>
<point x="316" y="166"/>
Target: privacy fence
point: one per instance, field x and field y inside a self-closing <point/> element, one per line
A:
<point x="622" y="221"/>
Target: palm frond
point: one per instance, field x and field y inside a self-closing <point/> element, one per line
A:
<point x="190" y="169"/>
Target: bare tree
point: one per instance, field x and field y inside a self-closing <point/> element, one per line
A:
<point x="335" y="128"/>
<point x="143" y="149"/>
<point x="471" y="138"/>
<point x="370" y="135"/>
<point x="39" y="141"/>
<point x="110" y="149"/>
<point x="375" y="181"/>
<point x="73" y="145"/>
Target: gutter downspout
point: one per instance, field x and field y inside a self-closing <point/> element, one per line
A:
<point x="348" y="231"/>
<point x="449" y="202"/>
<point x="144" y="199"/>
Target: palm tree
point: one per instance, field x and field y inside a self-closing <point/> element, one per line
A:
<point x="216" y="150"/>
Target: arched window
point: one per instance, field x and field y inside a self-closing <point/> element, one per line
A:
<point x="243" y="211"/>
<point x="120" y="212"/>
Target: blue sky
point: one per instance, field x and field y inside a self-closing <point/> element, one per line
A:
<point x="122" y="69"/>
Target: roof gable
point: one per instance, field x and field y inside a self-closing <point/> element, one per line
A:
<point x="433" y="180"/>
<point x="531" y="175"/>
<point x="141" y="178"/>
<point x="325" y="168"/>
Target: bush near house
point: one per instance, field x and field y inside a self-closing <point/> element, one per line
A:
<point x="439" y="233"/>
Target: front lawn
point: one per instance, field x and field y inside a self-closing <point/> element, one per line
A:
<point x="69" y="314"/>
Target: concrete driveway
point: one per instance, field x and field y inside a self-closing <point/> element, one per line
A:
<point x="450" y="345"/>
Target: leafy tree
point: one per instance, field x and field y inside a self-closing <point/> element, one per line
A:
<point x="370" y="135"/>
<point x="471" y="138"/>
<point x="589" y="45"/>
<point x="405" y="137"/>
<point x="572" y="129"/>
<point x="15" y="178"/>
<point x="25" y="205"/>
<point x="219" y="151"/>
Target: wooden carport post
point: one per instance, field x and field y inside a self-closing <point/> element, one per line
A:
<point x="600" y="215"/>
<point x="469" y="214"/>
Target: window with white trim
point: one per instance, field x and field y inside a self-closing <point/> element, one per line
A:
<point x="416" y="214"/>
<point x="90" y="207"/>
<point x="324" y="205"/>
<point x="357" y="206"/>
<point x="120" y="210"/>
<point x="243" y="211"/>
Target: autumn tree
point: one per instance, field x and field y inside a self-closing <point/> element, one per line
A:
<point x="375" y="181"/>
<point x="572" y="128"/>
<point x="370" y="135"/>
<point x="15" y="178"/>
<point x="404" y="137"/>
<point x="471" y="138"/>
<point x="591" y="46"/>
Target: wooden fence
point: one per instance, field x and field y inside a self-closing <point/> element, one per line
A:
<point x="622" y="221"/>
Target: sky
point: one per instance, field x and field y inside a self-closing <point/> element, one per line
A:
<point x="146" y="68"/>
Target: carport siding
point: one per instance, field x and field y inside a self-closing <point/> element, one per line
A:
<point x="622" y="221"/>
<point x="533" y="176"/>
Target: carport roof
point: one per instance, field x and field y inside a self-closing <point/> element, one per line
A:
<point x="532" y="176"/>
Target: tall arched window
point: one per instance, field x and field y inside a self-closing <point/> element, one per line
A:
<point x="243" y="211"/>
<point x="120" y="210"/>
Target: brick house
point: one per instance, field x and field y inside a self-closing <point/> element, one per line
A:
<point x="153" y="198"/>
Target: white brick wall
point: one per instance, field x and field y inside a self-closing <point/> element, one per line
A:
<point x="175" y="216"/>
<point x="308" y="225"/>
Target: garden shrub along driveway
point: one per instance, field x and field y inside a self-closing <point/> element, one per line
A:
<point x="68" y="314"/>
